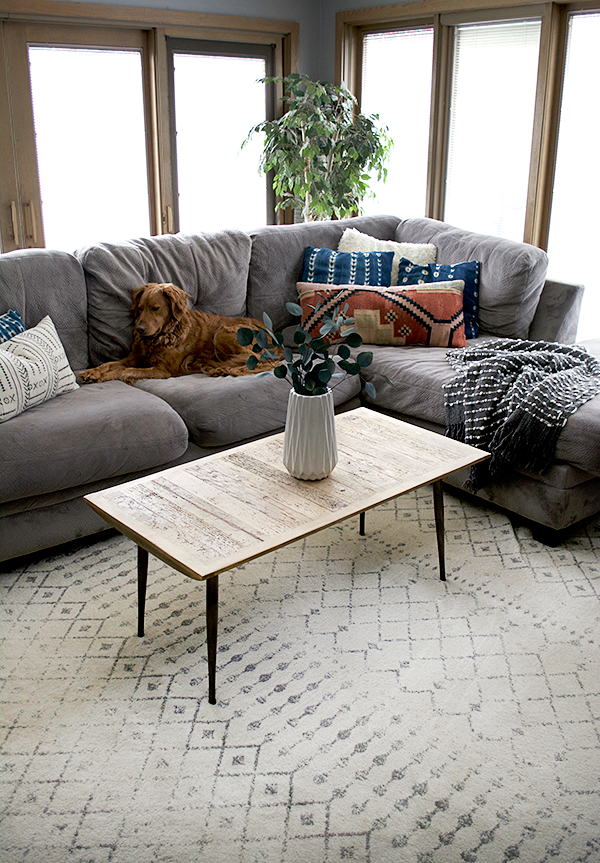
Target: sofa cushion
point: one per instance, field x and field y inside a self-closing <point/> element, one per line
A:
<point x="419" y="253"/>
<point x="429" y="315"/>
<point x="511" y="277"/>
<point x="220" y="411"/>
<point x="329" y="267"/>
<point x="33" y="369"/>
<point x="278" y="258"/>
<point x="40" y="282"/>
<point x="11" y="324"/>
<point x="468" y="272"/>
<point x="98" y="431"/>
<point x="211" y="268"/>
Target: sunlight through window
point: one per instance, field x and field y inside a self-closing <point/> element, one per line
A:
<point x="575" y="222"/>
<point x="91" y="146"/>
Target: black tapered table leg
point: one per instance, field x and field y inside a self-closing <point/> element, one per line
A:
<point x="438" y="506"/>
<point x="212" y="618"/>
<point x="361" y="524"/>
<point x="142" y="581"/>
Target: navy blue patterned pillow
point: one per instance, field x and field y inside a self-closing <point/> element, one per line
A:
<point x="326" y="267"/>
<point x="422" y="274"/>
<point x="11" y="325"/>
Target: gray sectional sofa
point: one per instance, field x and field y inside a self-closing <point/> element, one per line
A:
<point x="102" y="434"/>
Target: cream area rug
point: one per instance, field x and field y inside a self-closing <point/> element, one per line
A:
<point x="366" y="711"/>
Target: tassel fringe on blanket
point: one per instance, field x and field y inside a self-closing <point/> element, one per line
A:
<point x="512" y="397"/>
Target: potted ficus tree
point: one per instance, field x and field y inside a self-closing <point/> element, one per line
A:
<point x="310" y="447"/>
<point x="322" y="150"/>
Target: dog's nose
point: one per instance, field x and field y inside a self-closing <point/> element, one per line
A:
<point x="141" y="328"/>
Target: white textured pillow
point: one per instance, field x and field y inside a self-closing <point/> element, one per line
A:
<point x="419" y="253"/>
<point x="33" y="369"/>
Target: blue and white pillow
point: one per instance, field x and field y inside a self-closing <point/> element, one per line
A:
<point x="328" y="267"/>
<point x="11" y="324"/>
<point x="468" y="272"/>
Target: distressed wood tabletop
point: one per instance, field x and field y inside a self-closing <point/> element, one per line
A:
<point x="210" y="515"/>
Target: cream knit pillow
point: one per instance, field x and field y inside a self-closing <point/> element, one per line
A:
<point x="419" y="253"/>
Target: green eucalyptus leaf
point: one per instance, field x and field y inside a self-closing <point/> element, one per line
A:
<point x="354" y="340"/>
<point x="294" y="309"/>
<point x="262" y="338"/>
<point x="251" y="362"/>
<point x="364" y="359"/>
<point x="245" y="336"/>
<point x="267" y="321"/>
<point x="370" y="390"/>
<point x="280" y="371"/>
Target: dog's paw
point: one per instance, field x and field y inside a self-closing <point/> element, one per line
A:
<point x="89" y="376"/>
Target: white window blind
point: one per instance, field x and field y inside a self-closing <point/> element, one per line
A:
<point x="217" y="101"/>
<point x="575" y="218"/>
<point x="88" y="107"/>
<point x="396" y="85"/>
<point x="491" y="125"/>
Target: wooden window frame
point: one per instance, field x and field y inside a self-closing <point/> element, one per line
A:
<point x="70" y="23"/>
<point x="443" y="15"/>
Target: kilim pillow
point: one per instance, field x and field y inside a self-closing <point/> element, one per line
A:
<point x="328" y="267"/>
<point x="412" y="274"/>
<point x="11" y="325"/>
<point x="33" y="369"/>
<point x="425" y="315"/>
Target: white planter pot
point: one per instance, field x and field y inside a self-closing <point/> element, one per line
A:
<point x="309" y="444"/>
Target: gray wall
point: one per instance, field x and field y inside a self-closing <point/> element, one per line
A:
<point x="305" y="12"/>
<point x="316" y="19"/>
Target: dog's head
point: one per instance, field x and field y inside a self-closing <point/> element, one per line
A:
<point x="157" y="309"/>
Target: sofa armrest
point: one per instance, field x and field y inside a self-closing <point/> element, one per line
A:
<point x="557" y="313"/>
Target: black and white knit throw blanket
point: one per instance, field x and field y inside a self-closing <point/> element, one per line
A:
<point x="512" y="397"/>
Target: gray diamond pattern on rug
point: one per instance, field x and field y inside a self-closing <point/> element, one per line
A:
<point x="366" y="711"/>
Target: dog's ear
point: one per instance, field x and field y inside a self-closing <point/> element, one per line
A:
<point x="178" y="300"/>
<point x="135" y="297"/>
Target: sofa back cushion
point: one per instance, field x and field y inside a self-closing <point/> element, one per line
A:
<point x="278" y="259"/>
<point x="511" y="275"/>
<point x="40" y="282"/>
<point x="211" y="268"/>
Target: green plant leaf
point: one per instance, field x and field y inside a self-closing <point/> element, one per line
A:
<point x="245" y="336"/>
<point x="267" y="322"/>
<point x="294" y="309"/>
<point x="262" y="338"/>
<point x="370" y="390"/>
<point x="364" y="359"/>
<point x="280" y="371"/>
<point x="252" y="362"/>
<point x="354" y="340"/>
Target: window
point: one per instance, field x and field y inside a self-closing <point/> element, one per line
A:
<point x="575" y="219"/>
<point x="92" y="145"/>
<point x="512" y="130"/>
<point x="396" y="85"/>
<point x="218" y="183"/>
<point x="490" y="128"/>
<point x="93" y="173"/>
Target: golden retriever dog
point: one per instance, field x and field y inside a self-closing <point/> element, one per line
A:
<point x="170" y="340"/>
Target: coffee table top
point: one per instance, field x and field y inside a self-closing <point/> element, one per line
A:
<point x="210" y="515"/>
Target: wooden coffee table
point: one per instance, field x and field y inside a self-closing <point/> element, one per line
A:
<point x="210" y="515"/>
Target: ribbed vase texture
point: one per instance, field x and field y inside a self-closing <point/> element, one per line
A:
<point x="309" y="444"/>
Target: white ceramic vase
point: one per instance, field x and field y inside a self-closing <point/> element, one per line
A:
<point x="309" y="444"/>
